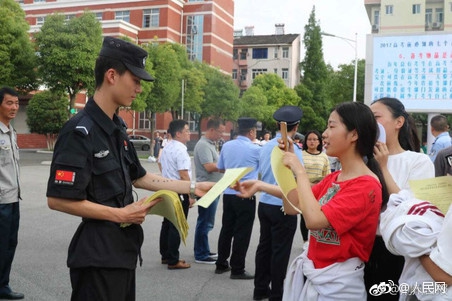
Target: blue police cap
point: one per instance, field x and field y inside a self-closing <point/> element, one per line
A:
<point x="132" y="56"/>
<point x="246" y="123"/>
<point x="289" y="114"/>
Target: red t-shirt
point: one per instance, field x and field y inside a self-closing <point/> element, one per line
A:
<point x="352" y="208"/>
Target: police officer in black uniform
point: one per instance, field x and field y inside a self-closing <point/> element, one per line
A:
<point x="93" y="169"/>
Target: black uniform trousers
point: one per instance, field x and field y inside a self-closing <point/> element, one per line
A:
<point x="237" y="224"/>
<point x="90" y="284"/>
<point x="273" y="252"/>
<point x="169" y="236"/>
<point x="9" y="229"/>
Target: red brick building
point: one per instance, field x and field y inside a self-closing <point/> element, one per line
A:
<point x="204" y="27"/>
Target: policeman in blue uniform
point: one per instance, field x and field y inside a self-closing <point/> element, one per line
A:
<point x="276" y="228"/>
<point x="93" y="171"/>
<point x="238" y="213"/>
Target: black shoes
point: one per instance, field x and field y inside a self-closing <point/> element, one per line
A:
<point x="11" y="296"/>
<point x="260" y="297"/>
<point x="222" y="270"/>
<point x="244" y="276"/>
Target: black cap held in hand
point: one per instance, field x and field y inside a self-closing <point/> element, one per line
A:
<point x="289" y="114"/>
<point x="132" y="56"/>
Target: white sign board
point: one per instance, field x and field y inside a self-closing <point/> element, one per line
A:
<point x="416" y="69"/>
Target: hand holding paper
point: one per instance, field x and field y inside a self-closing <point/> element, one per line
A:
<point x="283" y="175"/>
<point x="169" y="207"/>
<point x="231" y="176"/>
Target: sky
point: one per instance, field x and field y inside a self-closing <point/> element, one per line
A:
<point x="342" y="18"/>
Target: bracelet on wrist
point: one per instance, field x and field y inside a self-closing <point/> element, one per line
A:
<point x="192" y="189"/>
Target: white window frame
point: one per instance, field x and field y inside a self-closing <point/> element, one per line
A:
<point x="285" y="73"/>
<point x="234" y="73"/>
<point x="275" y="54"/>
<point x="40" y="20"/>
<point x="376" y="17"/>
<point x="99" y="16"/>
<point x="256" y="72"/>
<point x="123" y="15"/>
<point x="389" y="9"/>
<point x="143" y="121"/>
<point x="153" y="15"/>
<point x="285" y="52"/>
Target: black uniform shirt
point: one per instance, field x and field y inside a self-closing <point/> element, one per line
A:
<point x="94" y="160"/>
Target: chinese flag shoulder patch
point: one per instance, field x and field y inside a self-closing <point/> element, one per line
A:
<point x="64" y="177"/>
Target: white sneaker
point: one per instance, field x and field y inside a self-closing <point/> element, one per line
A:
<point x="208" y="260"/>
<point x="213" y="255"/>
<point x="151" y="159"/>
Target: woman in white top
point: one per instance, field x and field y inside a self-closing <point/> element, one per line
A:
<point x="400" y="161"/>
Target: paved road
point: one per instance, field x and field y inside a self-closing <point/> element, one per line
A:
<point x="40" y="272"/>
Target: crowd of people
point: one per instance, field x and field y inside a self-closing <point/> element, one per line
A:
<point x="362" y="227"/>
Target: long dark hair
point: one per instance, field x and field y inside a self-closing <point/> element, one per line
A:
<point x="357" y="116"/>
<point x="408" y="137"/>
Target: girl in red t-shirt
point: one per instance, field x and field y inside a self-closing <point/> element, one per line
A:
<point x="341" y="211"/>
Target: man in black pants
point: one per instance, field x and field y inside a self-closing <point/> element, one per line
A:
<point x="277" y="228"/>
<point x="93" y="172"/>
<point x="238" y="213"/>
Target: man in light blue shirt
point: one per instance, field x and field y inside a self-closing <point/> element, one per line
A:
<point x="440" y="130"/>
<point x="238" y="213"/>
<point x="277" y="229"/>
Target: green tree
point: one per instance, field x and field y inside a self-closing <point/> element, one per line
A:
<point x="17" y="55"/>
<point x="46" y="114"/>
<point x="275" y="95"/>
<point x="340" y="86"/>
<point x="220" y="95"/>
<point x="67" y="53"/>
<point x="312" y="88"/>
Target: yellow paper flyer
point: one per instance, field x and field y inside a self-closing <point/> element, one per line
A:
<point x="169" y="207"/>
<point x="437" y="191"/>
<point x="283" y="175"/>
<point x="231" y="176"/>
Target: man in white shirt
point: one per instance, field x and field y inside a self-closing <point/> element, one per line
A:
<point x="176" y="164"/>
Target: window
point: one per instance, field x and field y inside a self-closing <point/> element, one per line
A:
<point x="389" y="9"/>
<point x="416" y="9"/>
<point x="234" y="73"/>
<point x="285" y="73"/>
<point x="38" y="1"/>
<point x="256" y="72"/>
<point x="428" y="16"/>
<point x="123" y="15"/>
<point x="40" y="20"/>
<point x="69" y="17"/>
<point x="260" y="53"/>
<point x="235" y="53"/>
<point x="439" y="15"/>
<point x="376" y="17"/>
<point x="144" y="122"/>
<point x="194" y="38"/>
<point x="99" y="16"/>
<point x="151" y="17"/>
<point x="275" y="70"/>
<point x="275" y="54"/>
<point x="285" y="52"/>
<point x="243" y="73"/>
<point x="243" y="54"/>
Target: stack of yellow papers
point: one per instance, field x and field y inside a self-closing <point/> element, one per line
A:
<point x="171" y="209"/>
